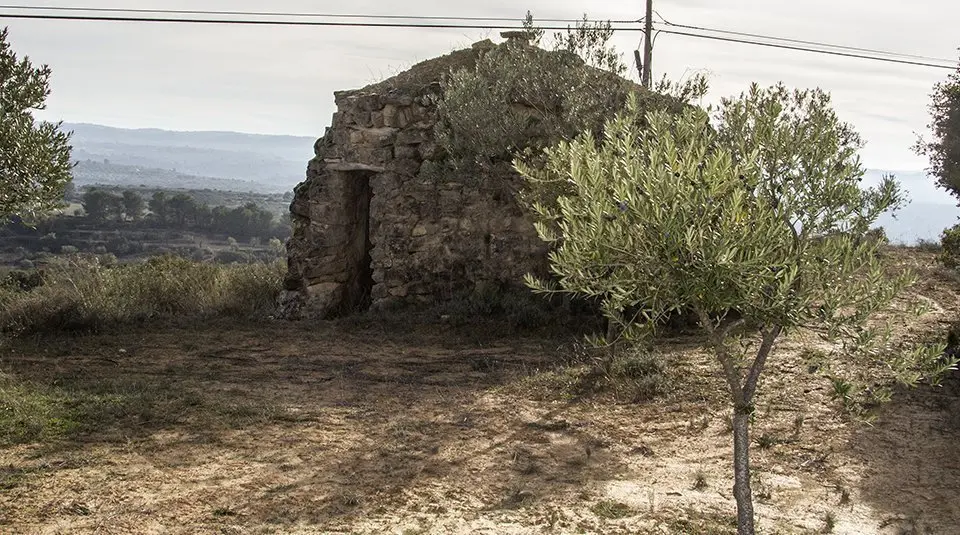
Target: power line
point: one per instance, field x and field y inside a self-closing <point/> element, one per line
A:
<point x="807" y="49"/>
<point x="111" y="18"/>
<point x="289" y="14"/>
<point x="119" y="18"/>
<point x="803" y="42"/>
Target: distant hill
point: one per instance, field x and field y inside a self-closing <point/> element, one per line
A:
<point x="277" y="162"/>
<point x="88" y="173"/>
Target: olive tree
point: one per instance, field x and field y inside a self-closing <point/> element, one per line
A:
<point x="754" y="221"/>
<point x="943" y="149"/>
<point x="34" y="156"/>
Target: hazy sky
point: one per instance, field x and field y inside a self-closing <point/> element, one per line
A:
<point x="281" y="79"/>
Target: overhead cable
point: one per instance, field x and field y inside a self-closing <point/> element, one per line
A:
<point x="267" y="22"/>
<point x="809" y="49"/>
<point x="666" y="28"/>
<point x="289" y="14"/>
<point x="801" y="41"/>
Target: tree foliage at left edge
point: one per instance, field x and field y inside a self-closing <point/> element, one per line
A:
<point x="34" y="156"/>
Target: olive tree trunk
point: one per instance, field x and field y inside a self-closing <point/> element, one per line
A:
<point x="741" y="472"/>
<point x="742" y="391"/>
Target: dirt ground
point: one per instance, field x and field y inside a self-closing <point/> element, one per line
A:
<point x="298" y="428"/>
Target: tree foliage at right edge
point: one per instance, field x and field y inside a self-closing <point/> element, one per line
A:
<point x="756" y="222"/>
<point x="943" y="150"/>
<point x="943" y="153"/>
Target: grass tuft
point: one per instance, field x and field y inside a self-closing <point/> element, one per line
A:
<point x="612" y="510"/>
<point x="700" y="480"/>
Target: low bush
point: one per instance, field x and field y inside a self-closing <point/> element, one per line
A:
<point x="949" y="248"/>
<point x="85" y="294"/>
<point x="515" y="307"/>
<point x="232" y="257"/>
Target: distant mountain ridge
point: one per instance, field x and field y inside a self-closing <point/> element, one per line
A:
<point x="277" y="162"/>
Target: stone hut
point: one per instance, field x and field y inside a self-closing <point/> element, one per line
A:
<point x="373" y="227"/>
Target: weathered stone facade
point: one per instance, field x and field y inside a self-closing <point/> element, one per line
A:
<point x="373" y="226"/>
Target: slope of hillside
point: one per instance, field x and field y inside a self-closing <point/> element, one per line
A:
<point x="919" y="221"/>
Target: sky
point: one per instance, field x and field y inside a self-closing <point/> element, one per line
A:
<point x="280" y="80"/>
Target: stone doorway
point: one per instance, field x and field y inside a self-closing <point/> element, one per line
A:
<point x="359" y="269"/>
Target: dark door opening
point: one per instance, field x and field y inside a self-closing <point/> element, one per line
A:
<point x="360" y="285"/>
<point x="366" y="263"/>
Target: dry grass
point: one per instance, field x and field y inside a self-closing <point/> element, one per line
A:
<point x="82" y="294"/>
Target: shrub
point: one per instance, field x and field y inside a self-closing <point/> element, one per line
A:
<point x="510" y="306"/>
<point x="22" y="279"/>
<point x="84" y="294"/>
<point x="519" y="98"/>
<point x="950" y="247"/>
<point x="631" y="374"/>
<point x="232" y="257"/>
<point x="877" y="235"/>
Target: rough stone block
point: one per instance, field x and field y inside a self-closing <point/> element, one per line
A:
<point x="397" y="99"/>
<point x="378" y="137"/>
<point x="429" y="150"/>
<point x="370" y="102"/>
<point x="398" y="117"/>
<point x="398" y="291"/>
<point x="406" y="152"/>
<point x="406" y="167"/>
<point x="412" y="136"/>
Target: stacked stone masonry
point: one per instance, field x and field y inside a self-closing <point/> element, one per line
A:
<point x="371" y="229"/>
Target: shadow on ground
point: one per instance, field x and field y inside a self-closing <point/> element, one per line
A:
<point x="914" y="483"/>
<point x="288" y="425"/>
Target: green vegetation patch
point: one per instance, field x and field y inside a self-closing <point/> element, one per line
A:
<point x="70" y="407"/>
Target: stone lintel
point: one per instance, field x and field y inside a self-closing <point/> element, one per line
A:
<point x="351" y="166"/>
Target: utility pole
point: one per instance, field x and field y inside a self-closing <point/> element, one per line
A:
<point x="648" y="46"/>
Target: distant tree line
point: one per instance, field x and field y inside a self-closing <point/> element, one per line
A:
<point x="181" y="211"/>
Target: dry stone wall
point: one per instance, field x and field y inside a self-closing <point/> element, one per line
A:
<point x="373" y="226"/>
